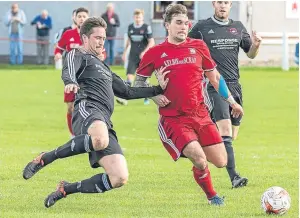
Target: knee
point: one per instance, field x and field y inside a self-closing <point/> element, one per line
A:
<point x="222" y="161"/>
<point x="100" y="143"/>
<point x="224" y="127"/>
<point x="119" y="181"/>
<point x="200" y="163"/>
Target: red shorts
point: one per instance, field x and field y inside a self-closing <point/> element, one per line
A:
<point x="69" y="97"/>
<point x="176" y="132"/>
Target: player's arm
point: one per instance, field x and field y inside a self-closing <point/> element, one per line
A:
<point x="124" y="91"/>
<point x="60" y="47"/>
<point x="150" y="39"/>
<point x="217" y="80"/>
<point x="144" y="71"/>
<point x="71" y="66"/>
<point x="195" y="32"/>
<point x="250" y="45"/>
<point x="150" y="44"/>
<point x="256" y="40"/>
<point x="126" y="46"/>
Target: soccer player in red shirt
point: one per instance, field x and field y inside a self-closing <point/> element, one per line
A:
<point x="185" y="127"/>
<point x="69" y="40"/>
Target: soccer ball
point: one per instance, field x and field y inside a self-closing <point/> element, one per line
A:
<point x="276" y="200"/>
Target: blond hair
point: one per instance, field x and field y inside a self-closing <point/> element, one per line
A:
<point x="138" y="12"/>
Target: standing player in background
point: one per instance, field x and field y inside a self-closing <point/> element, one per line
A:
<point x="69" y="40"/>
<point x="185" y="126"/>
<point x="58" y="35"/>
<point x="223" y="37"/>
<point x="96" y="85"/>
<point x="140" y="39"/>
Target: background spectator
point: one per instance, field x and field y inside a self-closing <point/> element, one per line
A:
<point x="43" y="24"/>
<point x="112" y="20"/>
<point x="15" y="20"/>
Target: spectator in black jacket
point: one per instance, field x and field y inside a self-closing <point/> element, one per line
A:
<point x="112" y="21"/>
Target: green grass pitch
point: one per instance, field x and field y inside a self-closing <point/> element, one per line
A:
<point x="33" y="120"/>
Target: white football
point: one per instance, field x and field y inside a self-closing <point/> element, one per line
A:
<point x="276" y="200"/>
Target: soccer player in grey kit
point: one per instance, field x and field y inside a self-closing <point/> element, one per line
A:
<point x="95" y="85"/>
<point x="224" y="37"/>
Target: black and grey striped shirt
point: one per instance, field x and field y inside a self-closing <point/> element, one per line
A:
<point x="98" y="84"/>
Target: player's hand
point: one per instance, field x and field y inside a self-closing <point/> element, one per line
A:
<point x="160" y="76"/>
<point x="256" y="38"/>
<point x="71" y="88"/>
<point x="57" y="57"/>
<point x="161" y="100"/>
<point x="124" y="57"/>
<point x="237" y="110"/>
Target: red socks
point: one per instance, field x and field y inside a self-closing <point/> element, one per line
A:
<point x="69" y="120"/>
<point x="203" y="179"/>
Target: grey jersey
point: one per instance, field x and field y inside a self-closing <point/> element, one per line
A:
<point x="138" y="36"/>
<point x="223" y="41"/>
<point x="98" y="84"/>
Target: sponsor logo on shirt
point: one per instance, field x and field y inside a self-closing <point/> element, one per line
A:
<point x="233" y="31"/>
<point x="211" y="32"/>
<point x="72" y="39"/>
<point x="163" y="55"/>
<point x="231" y="43"/>
<point x="192" y="51"/>
<point x="177" y="61"/>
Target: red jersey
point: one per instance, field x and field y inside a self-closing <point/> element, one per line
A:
<point x="186" y="62"/>
<point x="69" y="40"/>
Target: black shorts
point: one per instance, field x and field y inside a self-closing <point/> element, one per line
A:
<point x="220" y="108"/>
<point x="84" y="115"/>
<point x="132" y="66"/>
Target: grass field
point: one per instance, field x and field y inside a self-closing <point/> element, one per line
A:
<point x="33" y="120"/>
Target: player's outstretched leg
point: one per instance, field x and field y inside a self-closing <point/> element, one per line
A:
<point x="78" y="145"/>
<point x="97" y="184"/>
<point x="115" y="177"/>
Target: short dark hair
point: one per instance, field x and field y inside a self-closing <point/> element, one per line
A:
<point x="74" y="11"/>
<point x="88" y="25"/>
<point x="174" y="9"/>
<point x="82" y="9"/>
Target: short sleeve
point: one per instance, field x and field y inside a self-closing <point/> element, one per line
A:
<point x="149" y="33"/>
<point x="246" y="41"/>
<point x="208" y="64"/>
<point x="146" y="66"/>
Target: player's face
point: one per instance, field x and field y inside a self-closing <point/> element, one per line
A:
<point x="178" y="28"/>
<point x="138" y="19"/>
<point x="80" y="18"/>
<point x="222" y="9"/>
<point x="96" y="40"/>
